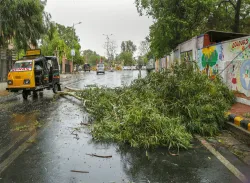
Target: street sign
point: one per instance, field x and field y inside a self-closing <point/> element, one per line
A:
<point x="33" y="52"/>
<point x="73" y="52"/>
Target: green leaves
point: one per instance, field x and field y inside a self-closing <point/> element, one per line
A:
<point x="91" y="57"/>
<point x="128" y="46"/>
<point x="60" y="39"/>
<point x="174" y="22"/>
<point x="162" y="109"/>
<point x="127" y="58"/>
<point x="177" y="21"/>
<point x="21" y="21"/>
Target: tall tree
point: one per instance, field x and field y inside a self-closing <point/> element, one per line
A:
<point x="144" y="47"/>
<point x="144" y="51"/>
<point x="21" y="21"/>
<point x="126" y="58"/>
<point x="174" y="21"/>
<point x="235" y="12"/>
<point x="128" y="46"/>
<point x="112" y="48"/>
<point x="60" y="39"/>
<point x="91" y="57"/>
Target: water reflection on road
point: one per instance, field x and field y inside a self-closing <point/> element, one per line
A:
<point x="109" y="79"/>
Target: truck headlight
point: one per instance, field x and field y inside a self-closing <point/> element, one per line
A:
<point x="26" y="81"/>
<point x="10" y="82"/>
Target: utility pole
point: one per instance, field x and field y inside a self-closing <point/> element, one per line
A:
<point x="73" y="32"/>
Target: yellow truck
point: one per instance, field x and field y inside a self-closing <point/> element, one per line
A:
<point x="34" y="73"/>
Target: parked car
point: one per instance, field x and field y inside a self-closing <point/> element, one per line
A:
<point x="86" y="67"/>
<point x="100" y="68"/>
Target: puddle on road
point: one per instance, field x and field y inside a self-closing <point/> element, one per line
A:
<point x="24" y="122"/>
<point x="109" y="79"/>
<point x="19" y="117"/>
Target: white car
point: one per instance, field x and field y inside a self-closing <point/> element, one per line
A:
<point x="100" y="68"/>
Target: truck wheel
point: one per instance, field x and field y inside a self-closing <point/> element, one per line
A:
<point x="35" y="95"/>
<point x="25" y="94"/>
<point x="56" y="88"/>
<point x="59" y="87"/>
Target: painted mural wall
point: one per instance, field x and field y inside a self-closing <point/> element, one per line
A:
<point x="210" y="58"/>
<point x="215" y="59"/>
<point x="238" y="72"/>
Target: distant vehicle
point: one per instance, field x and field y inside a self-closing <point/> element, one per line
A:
<point x="133" y="67"/>
<point x="86" y="67"/>
<point x="126" y="67"/>
<point x="100" y="68"/>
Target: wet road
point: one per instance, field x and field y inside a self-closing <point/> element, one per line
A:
<point x="62" y="145"/>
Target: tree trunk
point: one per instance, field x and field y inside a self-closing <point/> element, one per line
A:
<point x="236" y="26"/>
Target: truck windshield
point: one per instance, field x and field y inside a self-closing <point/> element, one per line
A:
<point x="22" y="66"/>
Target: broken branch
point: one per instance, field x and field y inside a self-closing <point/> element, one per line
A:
<point x="79" y="171"/>
<point x="86" y="124"/>
<point x="95" y="155"/>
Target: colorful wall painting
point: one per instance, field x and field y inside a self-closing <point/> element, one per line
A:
<point x="214" y="59"/>
<point x="209" y="59"/>
<point x="237" y="48"/>
<point x="238" y="76"/>
<point x="245" y="75"/>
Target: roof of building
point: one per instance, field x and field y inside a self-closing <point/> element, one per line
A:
<point x="219" y="36"/>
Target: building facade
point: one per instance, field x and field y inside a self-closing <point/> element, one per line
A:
<point x="223" y="53"/>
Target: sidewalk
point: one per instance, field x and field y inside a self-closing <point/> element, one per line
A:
<point x="240" y="110"/>
<point x="239" y="115"/>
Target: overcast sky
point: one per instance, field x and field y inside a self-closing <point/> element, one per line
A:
<point x="98" y="17"/>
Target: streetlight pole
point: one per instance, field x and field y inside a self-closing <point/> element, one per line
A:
<point x="73" y="31"/>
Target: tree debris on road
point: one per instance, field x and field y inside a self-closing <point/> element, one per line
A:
<point x="99" y="156"/>
<point x="79" y="171"/>
<point x="163" y="109"/>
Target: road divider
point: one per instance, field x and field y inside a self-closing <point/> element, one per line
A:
<point x="239" y="121"/>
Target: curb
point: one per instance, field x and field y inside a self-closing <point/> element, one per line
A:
<point x="239" y="121"/>
<point x="238" y="132"/>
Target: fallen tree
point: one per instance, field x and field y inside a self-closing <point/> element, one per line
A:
<point x="162" y="109"/>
